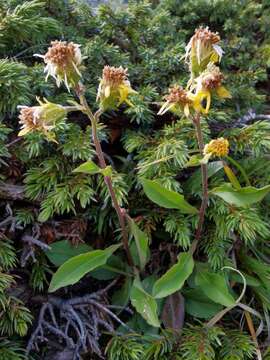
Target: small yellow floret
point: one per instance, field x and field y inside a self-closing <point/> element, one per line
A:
<point x="218" y="147"/>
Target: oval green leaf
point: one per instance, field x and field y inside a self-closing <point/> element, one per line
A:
<point x="240" y="197"/>
<point x="174" y="279"/>
<point x="89" y="167"/>
<point x="61" y="251"/>
<point x="215" y="288"/>
<point x="75" y="268"/>
<point x="166" y="198"/>
<point x="144" y="303"/>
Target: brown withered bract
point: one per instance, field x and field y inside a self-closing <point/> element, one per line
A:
<point x="114" y="75"/>
<point x="177" y="95"/>
<point x="60" y="53"/>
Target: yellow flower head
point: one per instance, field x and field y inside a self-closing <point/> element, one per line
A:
<point x="205" y="85"/>
<point x="203" y="48"/>
<point x="218" y="147"/>
<point x="41" y="118"/>
<point x="63" y="62"/>
<point x="114" y="88"/>
<point x="177" y="101"/>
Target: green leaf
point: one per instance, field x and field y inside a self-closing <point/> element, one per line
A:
<point x="215" y="287"/>
<point x="121" y="296"/>
<point x="175" y="277"/>
<point x="240" y="197"/>
<point x="194" y="183"/>
<point x="199" y="305"/>
<point x="110" y="270"/>
<point x="75" y="268"/>
<point x="63" y="250"/>
<point x="231" y="176"/>
<point x="89" y="167"/>
<point x="166" y="198"/>
<point x="141" y="241"/>
<point x="144" y="303"/>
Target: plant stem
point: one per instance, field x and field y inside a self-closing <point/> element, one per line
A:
<point x="197" y="125"/>
<point x="108" y="181"/>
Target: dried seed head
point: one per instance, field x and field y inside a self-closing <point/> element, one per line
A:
<point x="114" y="76"/>
<point x="114" y="87"/>
<point x="177" y="95"/>
<point x="213" y="78"/>
<point x="218" y="147"/>
<point x="202" y="49"/>
<point x="40" y="118"/>
<point x="61" y="53"/>
<point x="63" y="61"/>
<point x="206" y="36"/>
<point x="28" y="119"/>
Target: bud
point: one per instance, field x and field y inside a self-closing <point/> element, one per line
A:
<point x="63" y="61"/>
<point x="207" y="84"/>
<point x="177" y="101"/>
<point x="114" y="88"/>
<point x="218" y="147"/>
<point x="41" y="118"/>
<point x="203" y="48"/>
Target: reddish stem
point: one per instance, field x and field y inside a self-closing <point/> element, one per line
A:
<point x="197" y="125"/>
<point x="107" y="179"/>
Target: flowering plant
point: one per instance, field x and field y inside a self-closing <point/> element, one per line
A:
<point x="191" y="104"/>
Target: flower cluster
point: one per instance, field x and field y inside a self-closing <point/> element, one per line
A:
<point x="42" y="118"/>
<point x="114" y="88"/>
<point x="203" y="48"/>
<point x="203" y="52"/>
<point x="177" y="101"/>
<point x="217" y="147"/>
<point x="204" y="86"/>
<point x="63" y="62"/>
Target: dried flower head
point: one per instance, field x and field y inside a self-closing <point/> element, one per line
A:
<point x="41" y="118"/>
<point x="203" y="48"/>
<point x="177" y="101"/>
<point x="63" y="61"/>
<point x="204" y="86"/>
<point x="212" y="78"/>
<point x="114" y="87"/>
<point x="218" y="147"/>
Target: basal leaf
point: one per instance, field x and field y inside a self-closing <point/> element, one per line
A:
<point x="144" y="303"/>
<point x="89" y="167"/>
<point x="166" y="198"/>
<point x="199" y="305"/>
<point x="240" y="197"/>
<point x="75" y="268"/>
<point x="175" y="277"/>
<point x="215" y="287"/>
<point x="63" y="250"/>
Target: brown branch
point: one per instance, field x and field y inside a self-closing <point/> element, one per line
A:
<point x="15" y="193"/>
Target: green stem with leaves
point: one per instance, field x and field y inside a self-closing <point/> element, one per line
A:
<point x="198" y="129"/>
<point x="108" y="180"/>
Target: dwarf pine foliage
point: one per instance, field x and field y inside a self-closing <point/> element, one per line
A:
<point x="134" y="149"/>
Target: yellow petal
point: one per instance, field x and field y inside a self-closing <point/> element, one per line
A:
<point x="223" y="93"/>
<point x="199" y="98"/>
<point x="107" y="91"/>
<point x="24" y="131"/>
<point x="186" y="110"/>
<point x="164" y="108"/>
<point x="123" y="92"/>
<point x="129" y="103"/>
